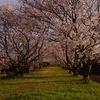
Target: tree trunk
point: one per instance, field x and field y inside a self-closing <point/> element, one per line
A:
<point x="75" y="72"/>
<point x="70" y="70"/>
<point x="20" y="71"/>
<point x="86" y="73"/>
<point x="0" y="76"/>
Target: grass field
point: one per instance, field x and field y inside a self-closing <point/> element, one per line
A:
<point x="48" y="83"/>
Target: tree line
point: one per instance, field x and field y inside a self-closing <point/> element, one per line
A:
<point x="63" y="32"/>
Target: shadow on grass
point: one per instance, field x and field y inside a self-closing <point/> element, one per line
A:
<point x="81" y="81"/>
<point x="44" y="77"/>
<point x="10" y="77"/>
<point x="46" y="82"/>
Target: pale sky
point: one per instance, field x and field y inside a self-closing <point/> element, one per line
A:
<point x="11" y="2"/>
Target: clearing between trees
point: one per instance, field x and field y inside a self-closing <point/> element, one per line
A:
<point x="48" y="83"/>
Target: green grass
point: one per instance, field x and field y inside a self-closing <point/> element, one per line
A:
<point x="48" y="83"/>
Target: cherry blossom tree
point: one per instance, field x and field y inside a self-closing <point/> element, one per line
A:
<point x="71" y="25"/>
<point x="72" y="22"/>
<point x="21" y="39"/>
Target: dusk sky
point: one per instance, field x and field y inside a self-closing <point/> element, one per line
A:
<point x="11" y="2"/>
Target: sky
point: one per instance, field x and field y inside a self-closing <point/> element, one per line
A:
<point x="11" y="2"/>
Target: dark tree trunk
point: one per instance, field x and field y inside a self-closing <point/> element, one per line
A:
<point x="20" y="70"/>
<point x="70" y="70"/>
<point x="75" y="71"/>
<point x="86" y="74"/>
<point x="0" y="75"/>
<point x="87" y="68"/>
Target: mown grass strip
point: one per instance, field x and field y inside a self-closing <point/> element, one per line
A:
<point x="48" y="83"/>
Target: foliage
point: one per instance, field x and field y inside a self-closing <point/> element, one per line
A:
<point x="68" y="29"/>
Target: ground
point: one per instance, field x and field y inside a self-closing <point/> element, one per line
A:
<point x="48" y="83"/>
<point x="95" y="78"/>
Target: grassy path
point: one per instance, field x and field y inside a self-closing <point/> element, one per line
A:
<point x="48" y="83"/>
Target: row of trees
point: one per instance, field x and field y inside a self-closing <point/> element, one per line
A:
<point x="21" y="39"/>
<point x="67" y="30"/>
